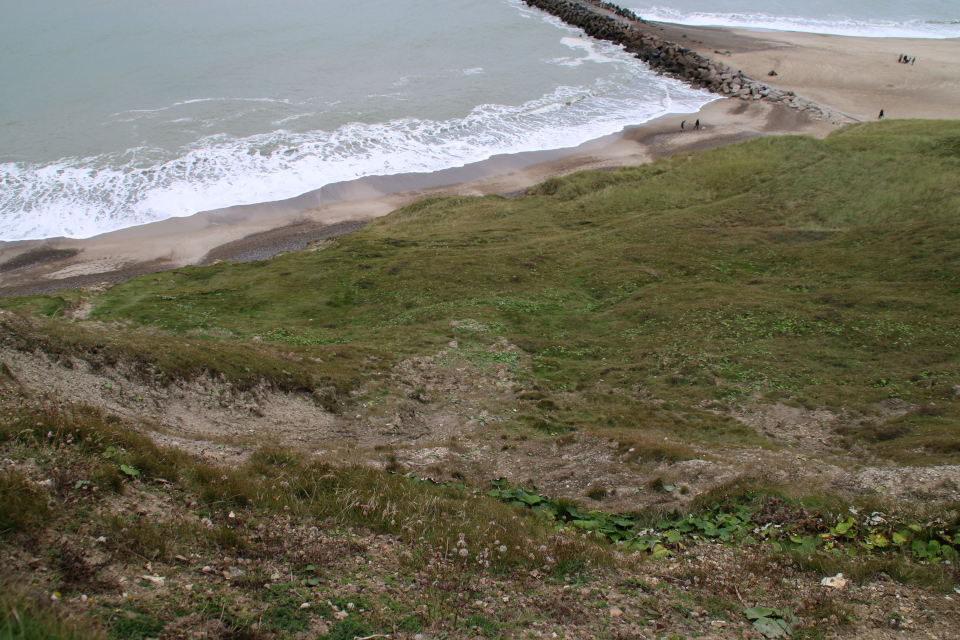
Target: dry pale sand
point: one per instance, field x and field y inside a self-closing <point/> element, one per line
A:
<point x="858" y="76"/>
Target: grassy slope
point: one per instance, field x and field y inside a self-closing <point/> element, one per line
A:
<point x="821" y="272"/>
<point x="815" y="272"/>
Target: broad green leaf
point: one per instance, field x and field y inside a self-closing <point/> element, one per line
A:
<point x="898" y="539"/>
<point x="771" y="627"/>
<point x="130" y="471"/>
<point x="879" y="540"/>
<point x="758" y="612"/>
<point x="843" y="527"/>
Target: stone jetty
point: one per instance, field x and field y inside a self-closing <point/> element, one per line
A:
<point x="607" y="21"/>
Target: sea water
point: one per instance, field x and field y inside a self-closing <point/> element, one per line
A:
<point x="116" y="113"/>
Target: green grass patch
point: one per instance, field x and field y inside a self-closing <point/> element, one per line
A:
<point x="825" y="271"/>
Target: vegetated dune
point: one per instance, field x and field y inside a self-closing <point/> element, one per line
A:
<point x="762" y="335"/>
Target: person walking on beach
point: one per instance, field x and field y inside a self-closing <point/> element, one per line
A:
<point x="914" y="60"/>
<point x="682" y="122"/>
<point x="880" y="117"/>
<point x="900" y="59"/>
<point x="696" y="125"/>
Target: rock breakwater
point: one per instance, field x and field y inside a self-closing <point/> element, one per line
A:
<point x="607" y="21"/>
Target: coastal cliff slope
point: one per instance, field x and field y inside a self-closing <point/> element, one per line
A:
<point x="665" y="399"/>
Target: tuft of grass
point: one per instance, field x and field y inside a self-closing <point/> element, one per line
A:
<point x="597" y="491"/>
<point x="650" y="449"/>
<point x="28" y="616"/>
<point x="23" y="506"/>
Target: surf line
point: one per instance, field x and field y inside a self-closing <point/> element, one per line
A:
<point x="607" y="21"/>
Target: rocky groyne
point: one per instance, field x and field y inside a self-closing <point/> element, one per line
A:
<point x="606" y="21"/>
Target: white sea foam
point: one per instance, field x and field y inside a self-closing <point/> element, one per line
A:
<point x="81" y="197"/>
<point x="591" y="49"/>
<point x="834" y="26"/>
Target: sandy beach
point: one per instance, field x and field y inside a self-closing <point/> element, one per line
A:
<point x="856" y="76"/>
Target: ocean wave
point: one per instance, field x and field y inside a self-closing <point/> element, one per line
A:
<point x="838" y="26"/>
<point x="82" y="197"/>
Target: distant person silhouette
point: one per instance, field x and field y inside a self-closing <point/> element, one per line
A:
<point x="880" y="117"/>
<point x="900" y="59"/>
<point x="696" y="125"/>
<point x="914" y="60"/>
<point x="681" y="124"/>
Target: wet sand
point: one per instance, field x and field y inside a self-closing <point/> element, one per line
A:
<point x="858" y="76"/>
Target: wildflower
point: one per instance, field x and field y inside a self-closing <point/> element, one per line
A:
<point x="502" y="548"/>
<point x="463" y="553"/>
